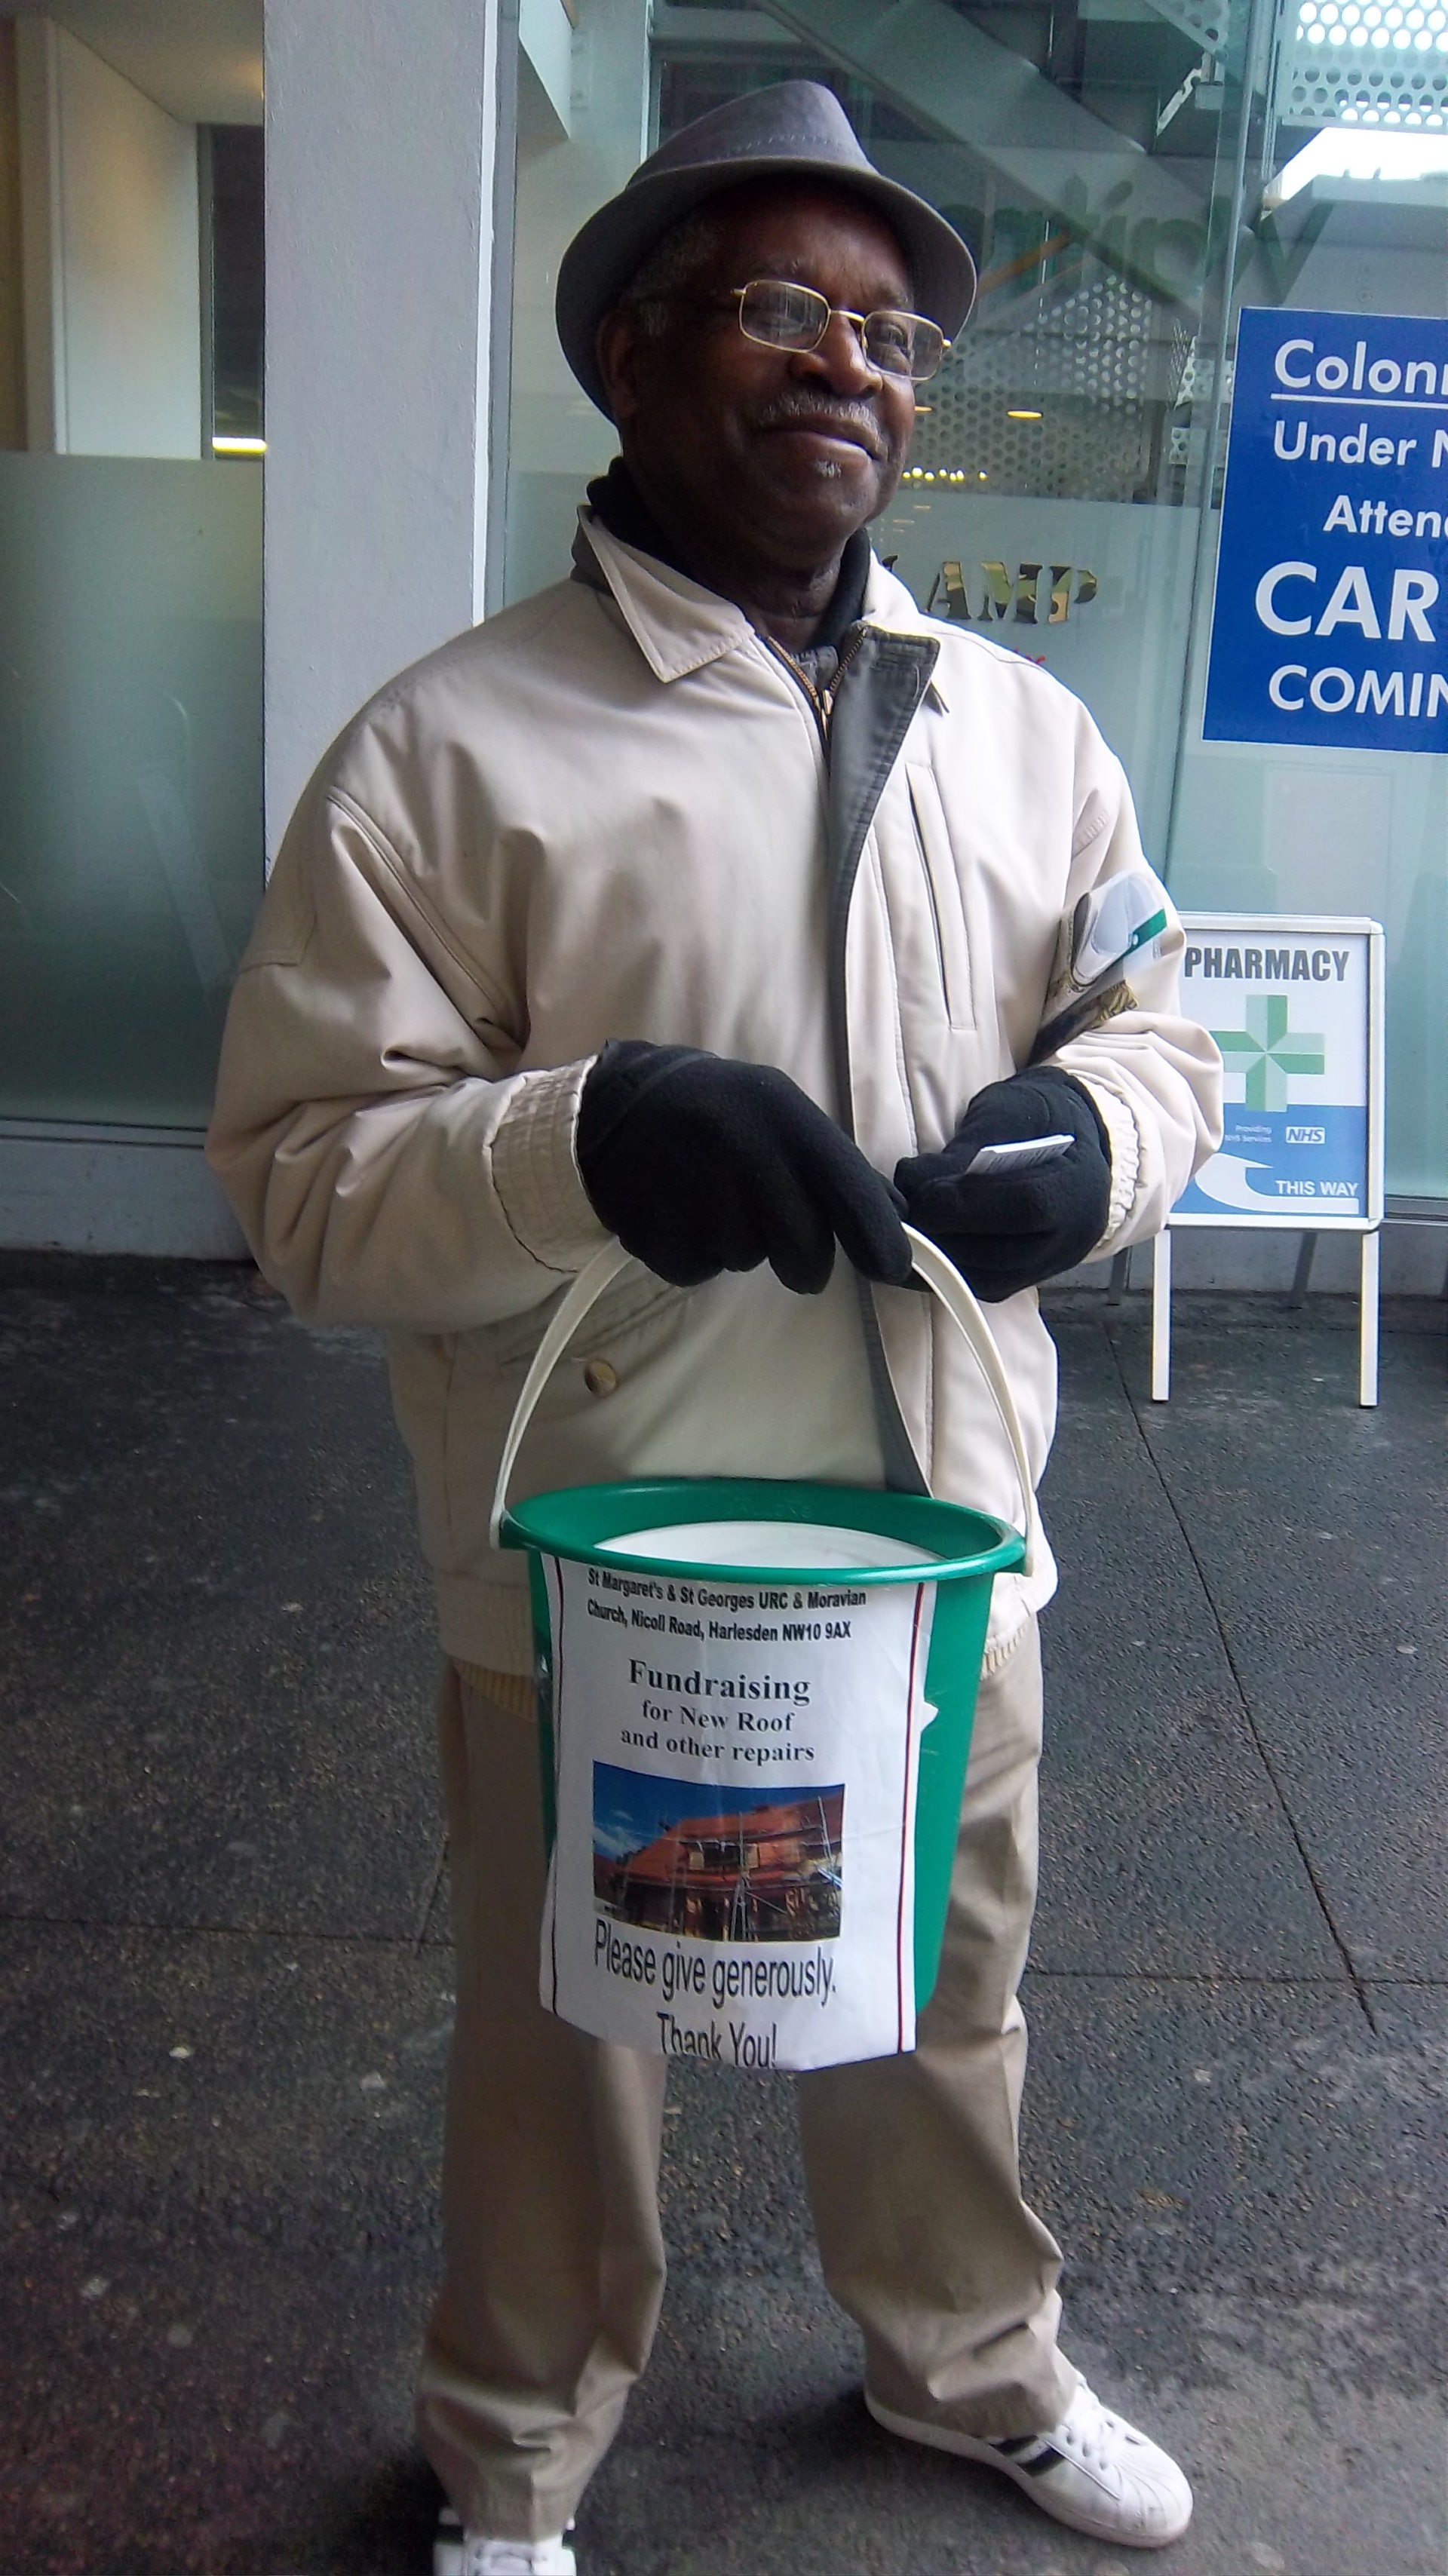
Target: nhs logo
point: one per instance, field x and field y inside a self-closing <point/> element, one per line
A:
<point x="1306" y="1136"/>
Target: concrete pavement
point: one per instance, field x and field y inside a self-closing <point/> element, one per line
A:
<point x="225" y="1989"/>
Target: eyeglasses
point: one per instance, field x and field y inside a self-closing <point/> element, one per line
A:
<point x="781" y="315"/>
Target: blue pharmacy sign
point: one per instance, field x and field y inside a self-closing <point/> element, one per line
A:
<point x="1295" y="1004"/>
<point x="1330" y="622"/>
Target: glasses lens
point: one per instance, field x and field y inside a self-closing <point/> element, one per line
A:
<point x="904" y="344"/>
<point x="781" y="315"/>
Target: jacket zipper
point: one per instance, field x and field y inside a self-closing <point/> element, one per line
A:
<point x="821" y="702"/>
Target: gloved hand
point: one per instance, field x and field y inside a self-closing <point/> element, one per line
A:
<point x="1010" y="1230"/>
<point x="700" y="1164"/>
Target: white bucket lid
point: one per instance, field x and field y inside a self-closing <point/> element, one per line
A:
<point x="766" y="1546"/>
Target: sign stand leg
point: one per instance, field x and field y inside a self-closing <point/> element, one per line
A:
<point x="1297" y="1293"/>
<point x="1161" y="1318"/>
<point x="1368" y="1320"/>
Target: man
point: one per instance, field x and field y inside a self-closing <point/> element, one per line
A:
<point x="711" y="899"/>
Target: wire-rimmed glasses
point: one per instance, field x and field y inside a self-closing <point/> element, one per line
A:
<point x="782" y="315"/>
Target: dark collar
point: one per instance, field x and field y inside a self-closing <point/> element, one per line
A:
<point x="621" y="506"/>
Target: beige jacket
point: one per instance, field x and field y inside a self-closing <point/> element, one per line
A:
<point x="602" y="814"/>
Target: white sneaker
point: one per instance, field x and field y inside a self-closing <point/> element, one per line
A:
<point x="456" y="2552"/>
<point x="1090" y="2471"/>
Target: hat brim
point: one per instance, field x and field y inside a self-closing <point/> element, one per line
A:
<point x="601" y="259"/>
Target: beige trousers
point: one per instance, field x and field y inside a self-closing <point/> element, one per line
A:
<point x="554" y="2261"/>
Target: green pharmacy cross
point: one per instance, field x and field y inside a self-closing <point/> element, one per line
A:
<point x="1275" y="1050"/>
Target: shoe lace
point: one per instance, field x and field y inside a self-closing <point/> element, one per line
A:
<point x="1090" y="2433"/>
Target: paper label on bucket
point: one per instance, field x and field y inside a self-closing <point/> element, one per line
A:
<point x="736" y="1768"/>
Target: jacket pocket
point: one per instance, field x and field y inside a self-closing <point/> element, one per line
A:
<point x="942" y="894"/>
<point x="638" y="1298"/>
<point x="575" y="1435"/>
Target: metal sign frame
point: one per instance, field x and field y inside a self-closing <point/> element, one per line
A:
<point x="1239" y="930"/>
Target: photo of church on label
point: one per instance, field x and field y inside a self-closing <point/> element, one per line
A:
<point x="765" y="1869"/>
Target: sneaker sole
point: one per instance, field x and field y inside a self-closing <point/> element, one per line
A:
<point x="965" y="2446"/>
<point x="447" y="2550"/>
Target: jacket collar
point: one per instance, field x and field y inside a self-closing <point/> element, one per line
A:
<point x="680" y="627"/>
<point x="677" y="625"/>
<point x="888" y="604"/>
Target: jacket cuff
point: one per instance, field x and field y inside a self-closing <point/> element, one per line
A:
<point x="535" y="1170"/>
<point x="1124" y="1138"/>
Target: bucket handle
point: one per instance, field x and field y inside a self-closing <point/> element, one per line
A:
<point x="931" y="1265"/>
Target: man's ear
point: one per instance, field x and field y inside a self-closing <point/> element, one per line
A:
<point x="615" y="348"/>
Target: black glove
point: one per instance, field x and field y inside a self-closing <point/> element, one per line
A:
<point x="1010" y="1230"/>
<point x="700" y="1164"/>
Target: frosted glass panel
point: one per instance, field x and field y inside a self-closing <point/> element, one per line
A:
<point x="1099" y="592"/>
<point x="130" y="779"/>
<point x="556" y="440"/>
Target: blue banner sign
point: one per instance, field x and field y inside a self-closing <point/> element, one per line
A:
<point x="1330" y="623"/>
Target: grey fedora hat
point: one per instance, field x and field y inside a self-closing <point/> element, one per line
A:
<point x="797" y="129"/>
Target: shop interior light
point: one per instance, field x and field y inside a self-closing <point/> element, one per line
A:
<point x="225" y="445"/>
<point x="1342" y="152"/>
<point x="1023" y="415"/>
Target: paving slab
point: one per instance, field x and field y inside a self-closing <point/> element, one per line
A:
<point x="218" y="2180"/>
<point x="294" y="2082"/>
<point x="217" y="1619"/>
<point x="1320" y="1529"/>
<point x="1167" y="1845"/>
<point x="1254" y="2141"/>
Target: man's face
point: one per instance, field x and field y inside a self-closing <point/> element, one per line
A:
<point x="786" y="451"/>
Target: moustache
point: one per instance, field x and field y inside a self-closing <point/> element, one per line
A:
<point x="812" y="411"/>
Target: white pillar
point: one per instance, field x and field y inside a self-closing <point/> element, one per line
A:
<point x="383" y="123"/>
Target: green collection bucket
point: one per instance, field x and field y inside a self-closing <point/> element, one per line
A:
<point x="756" y="1705"/>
